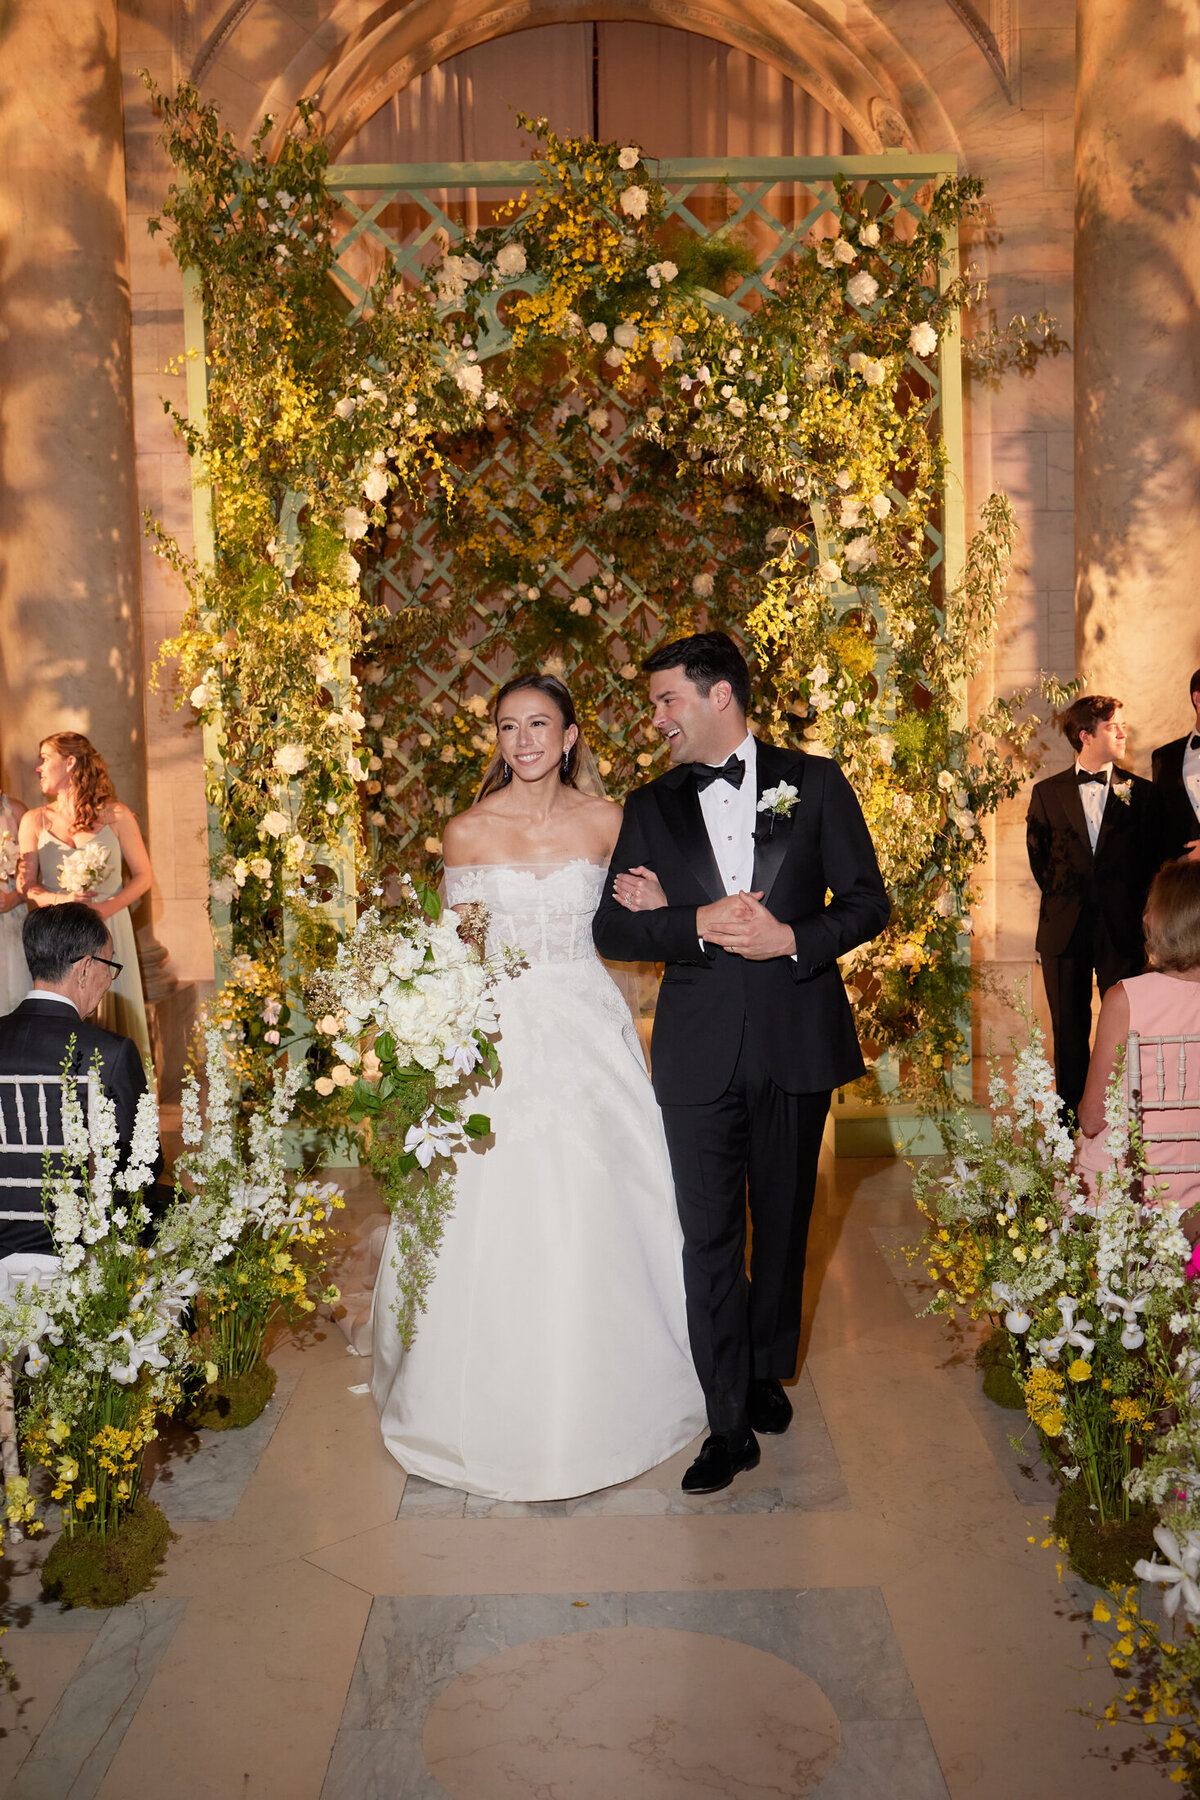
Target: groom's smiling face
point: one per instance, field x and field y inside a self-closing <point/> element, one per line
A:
<point x="697" y="726"/>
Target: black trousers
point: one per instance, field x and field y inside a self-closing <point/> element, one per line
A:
<point x="1090" y="953"/>
<point x="759" y="1144"/>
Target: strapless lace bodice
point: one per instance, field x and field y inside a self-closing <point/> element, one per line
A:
<point x="544" y="910"/>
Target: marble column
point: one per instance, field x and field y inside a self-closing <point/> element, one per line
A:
<point x="1137" y="359"/>
<point x="70" y="605"/>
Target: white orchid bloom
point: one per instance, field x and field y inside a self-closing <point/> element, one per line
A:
<point x="1178" y="1574"/>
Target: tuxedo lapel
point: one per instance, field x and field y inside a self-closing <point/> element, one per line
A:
<point x="680" y="803"/>
<point x="1072" y="806"/>
<point x="1114" y="808"/>
<point x="773" y="831"/>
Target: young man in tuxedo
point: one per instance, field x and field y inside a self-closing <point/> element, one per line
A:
<point x="753" y="1029"/>
<point x="69" y="953"/>
<point x="1096" y="839"/>
<point x="1175" y="770"/>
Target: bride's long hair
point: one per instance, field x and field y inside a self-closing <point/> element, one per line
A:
<point x="578" y="768"/>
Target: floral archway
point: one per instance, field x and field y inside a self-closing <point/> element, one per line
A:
<point x="573" y="430"/>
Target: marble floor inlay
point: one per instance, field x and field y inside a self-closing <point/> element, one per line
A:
<point x="832" y="1650"/>
<point x="645" y="1713"/>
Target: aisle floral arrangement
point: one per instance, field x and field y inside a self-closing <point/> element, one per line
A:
<point x="645" y="455"/>
<point x="258" y="1235"/>
<point x="102" y="1343"/>
<point x="406" y="1011"/>
<point x="1087" y="1292"/>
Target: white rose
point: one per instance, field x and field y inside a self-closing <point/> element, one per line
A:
<point x="869" y="235"/>
<point x="273" y="824"/>
<point x="881" y="506"/>
<point x="469" y="378"/>
<point x="598" y="331"/>
<point x="702" y="585"/>
<point x="260" y="868"/>
<point x="625" y="335"/>
<point x="860" y="553"/>
<point x="614" y="357"/>
<point x="510" y="261"/>
<point x="629" y="157"/>
<point x="885" y="748"/>
<point x="634" y="202"/>
<point x="376" y="484"/>
<point x="828" y="571"/>
<point x="862" y="288"/>
<point x="599" y="419"/>
<point x="843" y="251"/>
<point x="668" y="270"/>
<point x="581" y="605"/>
<point x="872" y="371"/>
<point x="290" y="759"/>
<point x="200" y="697"/>
<point x="850" y="513"/>
<point x="354" y="523"/>
<point x="843" y="479"/>
<point x="223" y="889"/>
<point x="945" y="780"/>
<point x="346" y="409"/>
<point x="923" y="339"/>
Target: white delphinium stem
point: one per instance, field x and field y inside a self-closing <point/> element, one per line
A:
<point x="138" y="1172"/>
<point x="221" y="1146"/>
<point x="191" y="1127"/>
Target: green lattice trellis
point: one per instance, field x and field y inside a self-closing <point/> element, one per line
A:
<point x="405" y="217"/>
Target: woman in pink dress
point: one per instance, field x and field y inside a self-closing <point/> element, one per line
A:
<point x="1163" y="1003"/>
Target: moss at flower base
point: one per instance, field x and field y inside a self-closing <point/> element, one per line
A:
<point x="86" y="1570"/>
<point x="233" y="1401"/>
<point x="993" y="1358"/>
<point x="1102" y="1551"/>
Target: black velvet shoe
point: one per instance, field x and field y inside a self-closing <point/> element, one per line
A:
<point x="769" y="1408"/>
<point x="718" y="1463"/>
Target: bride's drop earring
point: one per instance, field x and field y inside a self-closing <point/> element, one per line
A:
<point x="566" y="765"/>
<point x="507" y="775"/>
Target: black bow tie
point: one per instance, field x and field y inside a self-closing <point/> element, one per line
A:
<point x="1083" y="775"/>
<point x="733" y="771"/>
<point x="1194" y="742"/>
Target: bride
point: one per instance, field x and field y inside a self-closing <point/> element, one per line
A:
<point x="552" y="1359"/>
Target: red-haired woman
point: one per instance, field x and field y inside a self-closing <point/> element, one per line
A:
<point x="82" y="809"/>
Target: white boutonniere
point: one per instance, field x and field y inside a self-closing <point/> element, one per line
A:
<point x="779" y="800"/>
<point x="1123" y="789"/>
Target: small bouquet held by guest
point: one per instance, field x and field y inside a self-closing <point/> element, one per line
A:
<point x="9" y="856"/>
<point x="84" y="870"/>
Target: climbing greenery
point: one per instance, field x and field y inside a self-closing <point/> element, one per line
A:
<point x="565" y="445"/>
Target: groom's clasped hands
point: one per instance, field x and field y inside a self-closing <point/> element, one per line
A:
<point x="739" y="923"/>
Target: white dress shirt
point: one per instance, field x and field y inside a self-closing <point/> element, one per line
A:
<point x="729" y="819"/>
<point x="1094" y="794"/>
<point x="1191" y="770"/>
<point x="46" y="994"/>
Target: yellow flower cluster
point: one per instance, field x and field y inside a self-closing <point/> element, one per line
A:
<point x="1043" y="1400"/>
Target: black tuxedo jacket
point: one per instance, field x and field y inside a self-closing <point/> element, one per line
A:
<point x="797" y="1010"/>
<point x="1113" y="879"/>
<point x="33" y="1041"/>
<point x="1166" y="768"/>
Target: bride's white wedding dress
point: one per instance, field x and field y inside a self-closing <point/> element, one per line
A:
<point x="552" y="1358"/>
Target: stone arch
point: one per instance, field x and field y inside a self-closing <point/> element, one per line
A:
<point x="257" y="61"/>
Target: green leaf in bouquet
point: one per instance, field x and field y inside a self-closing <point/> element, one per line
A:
<point x="477" y="1126"/>
<point x="428" y="898"/>
<point x="385" y="1047"/>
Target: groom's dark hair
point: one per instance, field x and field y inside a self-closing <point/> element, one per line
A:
<point x="706" y="657"/>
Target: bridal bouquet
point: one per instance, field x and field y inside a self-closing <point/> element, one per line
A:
<point x="10" y="855"/>
<point x="409" y="1010"/>
<point x="84" y="869"/>
<point x="100" y="1336"/>
<point x="256" y="1232"/>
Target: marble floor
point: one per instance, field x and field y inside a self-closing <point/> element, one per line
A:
<point x="866" y="1616"/>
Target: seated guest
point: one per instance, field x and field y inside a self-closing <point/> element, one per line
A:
<point x="1096" y="838"/>
<point x="1176" y="771"/>
<point x="1163" y="1003"/>
<point x="69" y="953"/>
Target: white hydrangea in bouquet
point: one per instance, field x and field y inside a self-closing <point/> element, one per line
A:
<point x="84" y="869"/>
<point x="257" y="1232"/>
<point x="406" y="1014"/>
<point x="99" y="1328"/>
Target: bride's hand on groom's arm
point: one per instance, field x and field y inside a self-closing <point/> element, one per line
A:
<point x="639" y="890"/>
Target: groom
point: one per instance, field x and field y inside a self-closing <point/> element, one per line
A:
<point x="749" y="909"/>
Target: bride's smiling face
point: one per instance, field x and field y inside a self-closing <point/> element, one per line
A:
<point x="531" y="735"/>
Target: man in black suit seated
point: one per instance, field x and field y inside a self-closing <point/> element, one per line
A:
<point x="1096" y="838"/>
<point x="69" y="954"/>
<point x="1175" y="768"/>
